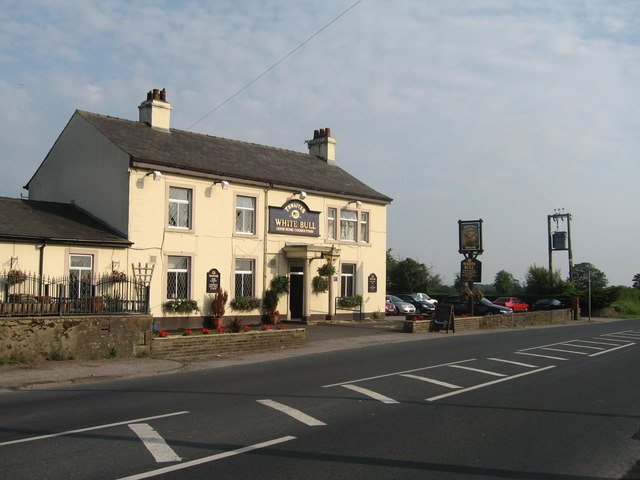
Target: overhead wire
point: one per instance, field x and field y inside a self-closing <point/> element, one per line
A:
<point x="275" y="64"/>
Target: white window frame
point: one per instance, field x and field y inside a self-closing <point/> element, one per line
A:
<point x="245" y="217"/>
<point x="81" y="272"/>
<point x="332" y="213"/>
<point x="348" y="225"/>
<point x="178" y="203"/>
<point x="364" y="227"/>
<point x="347" y="279"/>
<point x="176" y="271"/>
<point x="246" y="277"/>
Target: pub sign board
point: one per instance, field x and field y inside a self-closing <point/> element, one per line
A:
<point x="213" y="281"/>
<point x="470" y="270"/>
<point x="470" y="236"/>
<point x="373" y="283"/>
<point x="294" y="218"/>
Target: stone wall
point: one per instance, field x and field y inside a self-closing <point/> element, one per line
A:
<point x="223" y="343"/>
<point x="527" y="319"/>
<point x="24" y="339"/>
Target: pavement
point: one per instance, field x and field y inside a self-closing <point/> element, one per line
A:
<point x="322" y="338"/>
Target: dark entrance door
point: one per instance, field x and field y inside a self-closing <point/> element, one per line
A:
<point x="296" y="291"/>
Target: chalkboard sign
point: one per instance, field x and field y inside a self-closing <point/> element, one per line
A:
<point x="443" y="318"/>
<point x="373" y="283"/>
<point x="213" y="281"/>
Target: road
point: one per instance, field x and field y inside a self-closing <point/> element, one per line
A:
<point x="545" y="403"/>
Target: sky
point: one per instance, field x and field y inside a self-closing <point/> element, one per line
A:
<point x="458" y="110"/>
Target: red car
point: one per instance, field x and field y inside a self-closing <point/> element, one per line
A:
<point x="513" y="303"/>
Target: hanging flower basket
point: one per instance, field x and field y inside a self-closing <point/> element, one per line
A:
<point x="116" y="277"/>
<point x="320" y="284"/>
<point x="327" y="270"/>
<point x="16" y="277"/>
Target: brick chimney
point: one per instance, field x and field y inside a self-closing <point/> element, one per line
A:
<point x="323" y="145"/>
<point x="156" y="111"/>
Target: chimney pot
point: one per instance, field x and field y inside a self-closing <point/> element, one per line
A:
<point x="316" y="134"/>
<point x="327" y="131"/>
<point x="163" y="95"/>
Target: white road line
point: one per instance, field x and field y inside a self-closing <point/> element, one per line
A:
<point x="292" y="412"/>
<point x="396" y="373"/>
<point x="370" y="393"/>
<point x="493" y="382"/>
<point x="542" y="356"/>
<point x="88" y="429"/>
<point x="563" y="350"/>
<point x="212" y="458"/>
<point x="154" y="443"/>
<point x="514" y="363"/>
<point x="612" y="339"/>
<point x="600" y="343"/>
<point x="607" y="351"/>
<point x="584" y="346"/>
<point x="487" y="372"/>
<point x="624" y="335"/>
<point x="430" y="380"/>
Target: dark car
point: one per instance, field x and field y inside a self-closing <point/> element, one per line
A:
<point x="481" y="306"/>
<point x="548" y="304"/>
<point x="513" y="303"/>
<point x="417" y="300"/>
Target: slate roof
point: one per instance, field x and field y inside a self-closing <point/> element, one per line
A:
<point x="62" y="223"/>
<point x="230" y="159"/>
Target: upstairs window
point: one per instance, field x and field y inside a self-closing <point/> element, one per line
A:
<point x="245" y="215"/>
<point x="179" y="208"/>
<point x="364" y="227"/>
<point x="331" y="223"/>
<point x="348" y="225"/>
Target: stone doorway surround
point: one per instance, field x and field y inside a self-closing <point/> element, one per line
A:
<point x="316" y="255"/>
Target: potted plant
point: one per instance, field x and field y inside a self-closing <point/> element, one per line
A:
<point x="350" y="302"/>
<point x="270" y="303"/>
<point x="15" y="277"/>
<point x="218" y="307"/>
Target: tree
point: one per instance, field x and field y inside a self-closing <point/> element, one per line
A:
<point x="580" y="277"/>
<point x="505" y="283"/>
<point x="636" y="281"/>
<point x="408" y="275"/>
<point x="540" y="280"/>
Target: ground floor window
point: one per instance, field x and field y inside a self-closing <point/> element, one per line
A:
<point x="178" y="277"/>
<point x="244" y="277"/>
<point x="80" y="274"/>
<point x="347" y="280"/>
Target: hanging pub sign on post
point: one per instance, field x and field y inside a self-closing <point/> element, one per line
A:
<point x="470" y="236"/>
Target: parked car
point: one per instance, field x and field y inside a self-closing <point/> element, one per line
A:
<point x="548" y="304"/>
<point x="481" y="306"/>
<point x="389" y="308"/>
<point x="419" y="301"/>
<point x="514" y="303"/>
<point x="402" y="307"/>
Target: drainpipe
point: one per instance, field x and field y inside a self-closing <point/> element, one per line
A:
<point x="264" y="238"/>
<point x="41" y="267"/>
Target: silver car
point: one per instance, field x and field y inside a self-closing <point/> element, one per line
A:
<point x="402" y="307"/>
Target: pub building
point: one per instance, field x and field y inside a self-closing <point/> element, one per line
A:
<point x="201" y="213"/>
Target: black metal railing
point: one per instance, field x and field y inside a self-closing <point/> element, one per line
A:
<point x="27" y="294"/>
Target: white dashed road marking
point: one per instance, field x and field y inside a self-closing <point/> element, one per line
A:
<point x="154" y="443"/>
<point x="292" y="412"/>
<point x="371" y="393"/>
<point x="493" y="382"/>
<point x="430" y="380"/>
<point x="212" y="458"/>
<point x="486" y="372"/>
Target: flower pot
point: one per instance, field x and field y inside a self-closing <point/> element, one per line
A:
<point x="273" y="319"/>
<point x="217" y="322"/>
